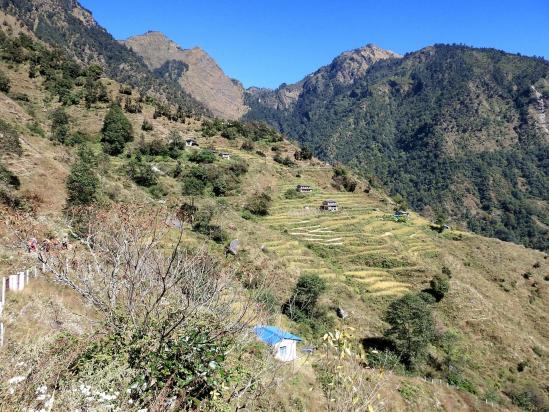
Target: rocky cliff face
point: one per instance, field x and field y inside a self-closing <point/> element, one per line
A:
<point x="202" y="76"/>
<point x="342" y="71"/>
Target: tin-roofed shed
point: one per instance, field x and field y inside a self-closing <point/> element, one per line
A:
<point x="283" y="343"/>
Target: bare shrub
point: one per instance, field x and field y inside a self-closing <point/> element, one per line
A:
<point x="347" y="384"/>
<point x="173" y="316"/>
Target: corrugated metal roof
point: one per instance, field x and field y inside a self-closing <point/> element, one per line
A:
<point x="272" y="335"/>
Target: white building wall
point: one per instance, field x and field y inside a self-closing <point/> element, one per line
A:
<point x="286" y="350"/>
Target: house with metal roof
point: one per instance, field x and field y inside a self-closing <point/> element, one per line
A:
<point x="225" y="155"/>
<point x="330" y="205"/>
<point x="304" y="188"/>
<point x="284" y="344"/>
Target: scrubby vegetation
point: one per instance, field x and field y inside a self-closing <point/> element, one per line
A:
<point x="254" y="131"/>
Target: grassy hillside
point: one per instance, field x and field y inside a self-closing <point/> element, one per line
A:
<point x="442" y="127"/>
<point x="491" y="343"/>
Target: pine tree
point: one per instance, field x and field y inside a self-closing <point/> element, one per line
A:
<point x="82" y="183"/>
<point x="117" y="131"/>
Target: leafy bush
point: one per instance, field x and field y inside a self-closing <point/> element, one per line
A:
<point x="254" y="131"/>
<point x="293" y="194"/>
<point x="268" y="300"/>
<point x="125" y="89"/>
<point x="35" y="128"/>
<point x="456" y="379"/>
<point x="140" y="172"/>
<point x="146" y="126"/>
<point x="4" y="83"/>
<point x="193" y="186"/>
<point x="439" y="286"/>
<point x="412" y="327"/>
<point x="528" y="397"/>
<point x="202" y="156"/>
<point x="223" y="179"/>
<point x="8" y="178"/>
<point x="132" y="106"/>
<point x="304" y="154"/>
<point x="286" y="161"/>
<point x="202" y="224"/>
<point x="155" y="147"/>
<point x="116" y="131"/>
<point x="248" y="145"/>
<point x="95" y="91"/>
<point x="9" y="139"/>
<point x="383" y="359"/>
<point x="238" y="168"/>
<point x="259" y="204"/>
<point x="78" y="137"/>
<point x="408" y="391"/>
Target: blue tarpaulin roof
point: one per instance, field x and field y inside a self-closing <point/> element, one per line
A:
<point x="272" y="335"/>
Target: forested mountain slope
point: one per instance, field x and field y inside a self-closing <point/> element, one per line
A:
<point x="459" y="132"/>
<point x="66" y="24"/>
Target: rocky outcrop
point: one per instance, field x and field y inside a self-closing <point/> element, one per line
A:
<point x="203" y="78"/>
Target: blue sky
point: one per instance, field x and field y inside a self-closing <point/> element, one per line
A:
<point x="267" y="42"/>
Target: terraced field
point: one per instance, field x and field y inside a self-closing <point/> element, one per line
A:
<point x="360" y="244"/>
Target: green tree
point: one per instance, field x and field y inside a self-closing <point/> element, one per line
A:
<point x="60" y="125"/>
<point x="82" y="183"/>
<point x="192" y="186"/>
<point x="116" y="132"/>
<point x="412" y="327"/>
<point x="302" y="303"/>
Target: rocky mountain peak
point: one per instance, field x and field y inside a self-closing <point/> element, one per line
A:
<point x="352" y="64"/>
<point x="203" y="78"/>
<point x="344" y="70"/>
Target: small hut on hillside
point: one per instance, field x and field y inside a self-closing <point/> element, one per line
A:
<point x="284" y="343"/>
<point x="329" y="205"/>
<point x="304" y="188"/>
<point x="191" y="143"/>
